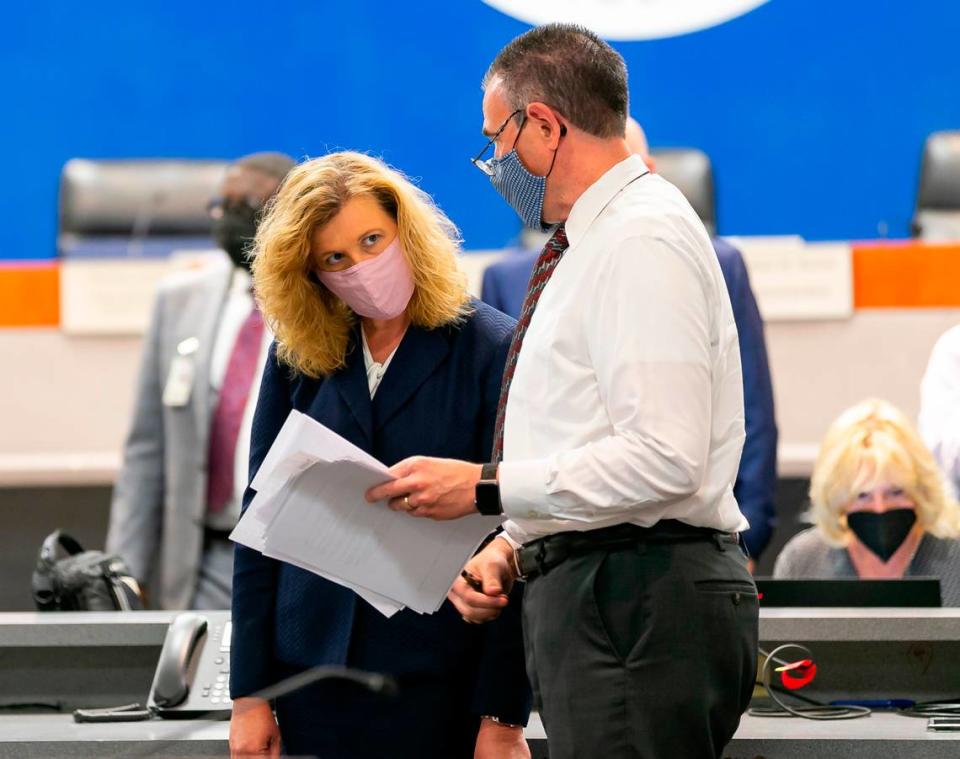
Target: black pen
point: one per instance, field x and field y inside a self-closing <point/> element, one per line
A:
<point x="474" y="582"/>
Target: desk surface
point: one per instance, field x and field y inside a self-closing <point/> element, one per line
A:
<point x="878" y="735"/>
<point x="882" y="734"/>
<point x="147" y="628"/>
<point x="84" y="628"/>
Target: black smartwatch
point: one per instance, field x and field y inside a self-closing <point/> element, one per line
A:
<point x="488" y="492"/>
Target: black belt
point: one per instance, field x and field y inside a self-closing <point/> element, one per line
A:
<point x="540" y="556"/>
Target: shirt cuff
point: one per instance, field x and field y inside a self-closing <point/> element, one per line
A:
<point x="515" y="544"/>
<point x="523" y="489"/>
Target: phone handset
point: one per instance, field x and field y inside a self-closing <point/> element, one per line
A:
<point x="173" y="678"/>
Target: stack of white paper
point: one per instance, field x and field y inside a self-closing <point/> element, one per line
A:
<point x="310" y="511"/>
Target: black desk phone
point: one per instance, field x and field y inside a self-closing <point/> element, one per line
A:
<point x="193" y="673"/>
<point x="192" y="679"/>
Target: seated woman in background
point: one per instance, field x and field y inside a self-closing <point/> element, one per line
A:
<point x="376" y="337"/>
<point x="880" y="505"/>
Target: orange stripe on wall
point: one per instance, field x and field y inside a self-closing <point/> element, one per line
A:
<point x="899" y="274"/>
<point x="30" y="294"/>
<point x="906" y="275"/>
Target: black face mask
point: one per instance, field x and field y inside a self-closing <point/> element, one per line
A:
<point x="882" y="533"/>
<point x="234" y="231"/>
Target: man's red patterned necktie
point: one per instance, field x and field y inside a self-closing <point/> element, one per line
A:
<point x="542" y="271"/>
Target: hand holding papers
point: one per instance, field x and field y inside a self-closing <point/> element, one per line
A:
<point x="310" y="511"/>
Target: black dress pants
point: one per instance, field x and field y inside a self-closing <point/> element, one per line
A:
<point x="646" y="651"/>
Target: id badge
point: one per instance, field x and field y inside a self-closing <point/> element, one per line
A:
<point x="176" y="393"/>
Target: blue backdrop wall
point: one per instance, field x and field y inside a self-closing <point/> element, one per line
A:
<point x="813" y="111"/>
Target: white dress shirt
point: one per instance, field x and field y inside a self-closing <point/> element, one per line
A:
<point x="236" y="309"/>
<point x="627" y="400"/>
<point x="939" y="420"/>
<point x="375" y="371"/>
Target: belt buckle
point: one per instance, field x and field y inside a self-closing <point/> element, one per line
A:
<point x="531" y="559"/>
<point x="518" y="563"/>
<point x="526" y="564"/>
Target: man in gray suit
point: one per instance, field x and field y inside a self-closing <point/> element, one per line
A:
<point x="184" y="468"/>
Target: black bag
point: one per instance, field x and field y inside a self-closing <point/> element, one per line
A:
<point x="67" y="578"/>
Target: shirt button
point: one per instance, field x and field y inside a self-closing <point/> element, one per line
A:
<point x="532" y="514"/>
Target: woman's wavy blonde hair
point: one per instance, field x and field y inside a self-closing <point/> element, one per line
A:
<point x="870" y="443"/>
<point x="312" y="326"/>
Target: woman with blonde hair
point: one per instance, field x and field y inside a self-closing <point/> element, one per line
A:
<point x="376" y="337"/>
<point x="881" y="508"/>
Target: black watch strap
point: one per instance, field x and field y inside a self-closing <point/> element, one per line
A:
<point x="488" y="491"/>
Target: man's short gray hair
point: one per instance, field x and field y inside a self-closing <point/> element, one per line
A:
<point x="570" y="69"/>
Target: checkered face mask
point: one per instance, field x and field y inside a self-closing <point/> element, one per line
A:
<point x="521" y="189"/>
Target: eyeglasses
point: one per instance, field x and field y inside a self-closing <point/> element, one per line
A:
<point x="484" y="163"/>
<point x="217" y="206"/>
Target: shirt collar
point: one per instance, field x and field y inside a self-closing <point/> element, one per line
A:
<point x="368" y="356"/>
<point x="598" y="195"/>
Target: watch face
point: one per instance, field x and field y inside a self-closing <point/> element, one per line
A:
<point x="488" y="498"/>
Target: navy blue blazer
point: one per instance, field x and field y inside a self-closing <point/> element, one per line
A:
<point x="438" y="398"/>
<point x="505" y="283"/>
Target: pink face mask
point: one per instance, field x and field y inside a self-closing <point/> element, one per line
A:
<point x="379" y="288"/>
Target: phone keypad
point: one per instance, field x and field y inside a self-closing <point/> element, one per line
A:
<point x="217" y="686"/>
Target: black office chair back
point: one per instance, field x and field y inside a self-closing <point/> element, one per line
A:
<point x="937" y="216"/>
<point x="690" y="171"/>
<point x="144" y="198"/>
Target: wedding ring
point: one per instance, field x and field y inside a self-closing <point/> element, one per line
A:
<point x="406" y="503"/>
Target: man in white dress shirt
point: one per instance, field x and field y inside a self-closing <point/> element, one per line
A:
<point x="184" y="468"/>
<point x="621" y="429"/>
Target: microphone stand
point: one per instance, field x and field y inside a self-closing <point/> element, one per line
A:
<point x="379" y="684"/>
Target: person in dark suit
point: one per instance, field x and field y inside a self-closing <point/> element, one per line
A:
<point x="376" y="338"/>
<point x="505" y="284"/>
